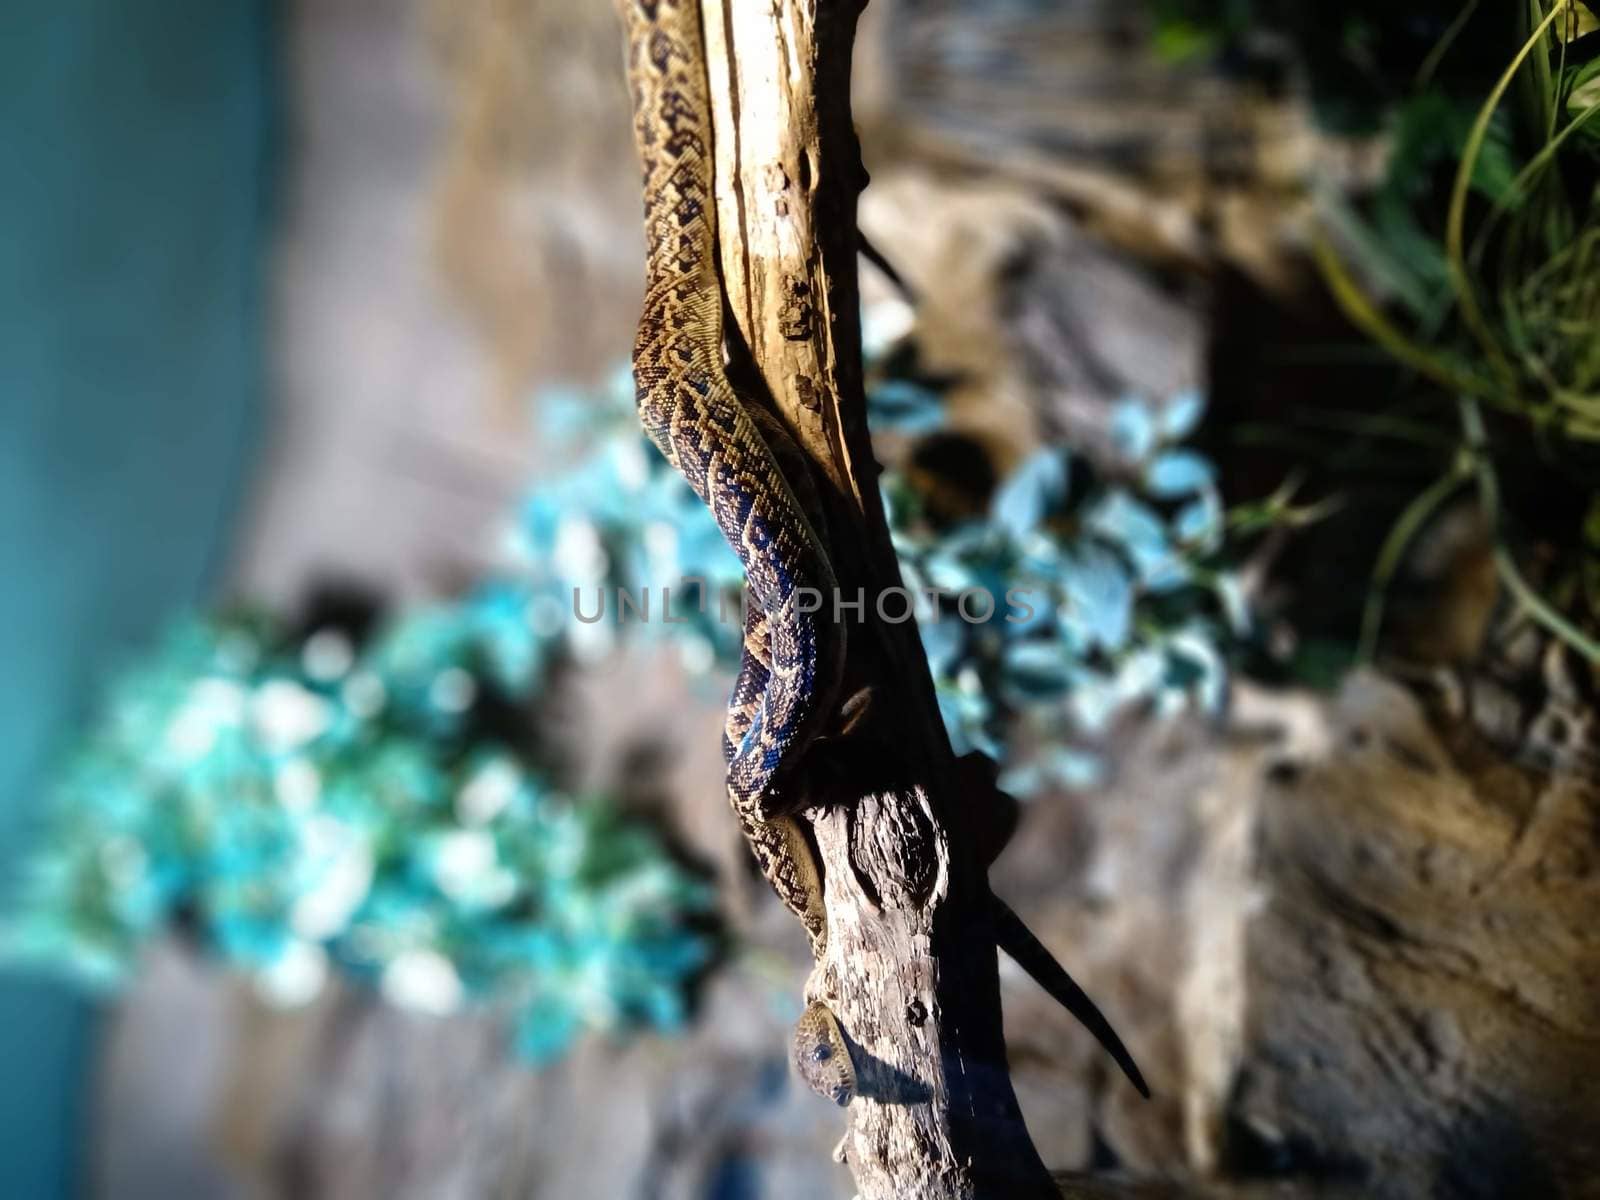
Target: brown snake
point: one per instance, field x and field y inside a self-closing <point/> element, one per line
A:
<point x="743" y="466"/>
<point x="730" y="450"/>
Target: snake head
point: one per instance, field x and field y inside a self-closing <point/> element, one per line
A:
<point x="822" y="1057"/>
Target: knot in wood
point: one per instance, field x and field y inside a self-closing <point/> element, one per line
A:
<point x="896" y="849"/>
<point x="797" y="316"/>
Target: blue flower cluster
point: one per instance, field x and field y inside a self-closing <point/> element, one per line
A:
<point x="1122" y="596"/>
<point x="301" y="805"/>
<point x="296" y="806"/>
<point x="1093" y="594"/>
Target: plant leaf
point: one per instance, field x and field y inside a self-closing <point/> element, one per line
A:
<point x="1033" y="490"/>
<point x="1178" y="473"/>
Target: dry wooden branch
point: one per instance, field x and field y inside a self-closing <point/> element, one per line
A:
<point x="910" y="968"/>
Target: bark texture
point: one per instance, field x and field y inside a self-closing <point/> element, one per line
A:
<point x="910" y="971"/>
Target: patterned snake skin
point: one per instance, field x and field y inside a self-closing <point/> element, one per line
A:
<point x="723" y="445"/>
<point x="743" y="466"/>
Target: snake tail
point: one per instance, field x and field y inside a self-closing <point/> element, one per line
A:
<point x="1017" y="940"/>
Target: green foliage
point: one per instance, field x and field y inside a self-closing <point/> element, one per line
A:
<point x="1497" y="276"/>
<point x="1360" y="56"/>
<point x="1427" y="134"/>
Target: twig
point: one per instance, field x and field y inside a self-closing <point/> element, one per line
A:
<point x="1405" y="530"/>
<point x="1538" y="607"/>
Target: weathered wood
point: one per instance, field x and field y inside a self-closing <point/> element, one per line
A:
<point x="910" y="970"/>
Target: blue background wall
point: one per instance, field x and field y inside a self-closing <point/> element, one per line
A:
<point x="133" y="192"/>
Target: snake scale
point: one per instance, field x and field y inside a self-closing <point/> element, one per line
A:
<point x="744" y="468"/>
<point x="729" y="452"/>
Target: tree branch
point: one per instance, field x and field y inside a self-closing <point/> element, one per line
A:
<point x="910" y="969"/>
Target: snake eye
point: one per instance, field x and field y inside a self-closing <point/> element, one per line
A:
<point x="822" y="1054"/>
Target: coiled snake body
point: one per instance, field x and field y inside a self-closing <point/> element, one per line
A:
<point x="729" y="451"/>
<point x="740" y="462"/>
<point x="792" y="658"/>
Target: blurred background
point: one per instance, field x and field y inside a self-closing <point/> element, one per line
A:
<point x="1256" y="338"/>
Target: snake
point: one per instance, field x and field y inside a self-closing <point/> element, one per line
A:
<point x="741" y="462"/>
<point x="733" y="454"/>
